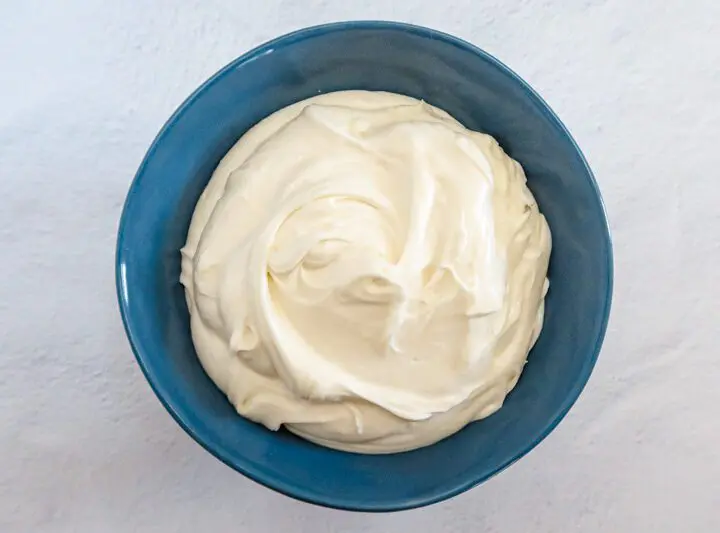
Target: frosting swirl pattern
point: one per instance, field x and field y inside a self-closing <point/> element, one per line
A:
<point x="366" y="271"/>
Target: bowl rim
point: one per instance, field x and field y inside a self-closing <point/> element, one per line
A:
<point x="296" y="491"/>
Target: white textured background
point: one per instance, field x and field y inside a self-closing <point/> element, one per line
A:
<point x="85" y="86"/>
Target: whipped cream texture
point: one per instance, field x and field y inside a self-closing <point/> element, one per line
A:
<point x="366" y="271"/>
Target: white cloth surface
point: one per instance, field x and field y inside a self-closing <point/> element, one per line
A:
<point x="85" y="86"/>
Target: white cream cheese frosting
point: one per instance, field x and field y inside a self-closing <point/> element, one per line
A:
<point x="366" y="271"/>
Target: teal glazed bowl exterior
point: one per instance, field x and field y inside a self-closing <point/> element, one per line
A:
<point x="484" y="95"/>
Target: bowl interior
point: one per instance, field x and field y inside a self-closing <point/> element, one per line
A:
<point x="482" y="94"/>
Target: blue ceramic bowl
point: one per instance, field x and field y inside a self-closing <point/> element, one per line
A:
<point x="484" y="95"/>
